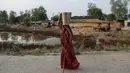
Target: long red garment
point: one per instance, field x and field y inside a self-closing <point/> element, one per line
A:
<point x="68" y="59"/>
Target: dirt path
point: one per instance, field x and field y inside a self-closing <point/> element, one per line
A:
<point x="108" y="62"/>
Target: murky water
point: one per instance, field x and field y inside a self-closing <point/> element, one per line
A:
<point x="28" y="38"/>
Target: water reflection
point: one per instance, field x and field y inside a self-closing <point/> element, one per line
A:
<point x="38" y="37"/>
<point x="14" y="37"/>
<point x="27" y="38"/>
<point x="4" y="36"/>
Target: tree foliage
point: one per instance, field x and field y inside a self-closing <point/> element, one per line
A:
<point x="39" y="14"/>
<point x="104" y="16"/>
<point x="12" y="17"/>
<point x="55" y="18"/>
<point x="3" y="17"/>
<point x="94" y="11"/>
<point x="21" y="17"/>
<point x="111" y="17"/>
<point x="36" y="14"/>
<point x="91" y="5"/>
<point x="129" y="16"/>
<point x="27" y="17"/>
<point x="119" y="8"/>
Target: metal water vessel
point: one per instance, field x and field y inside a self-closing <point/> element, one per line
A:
<point x="66" y="18"/>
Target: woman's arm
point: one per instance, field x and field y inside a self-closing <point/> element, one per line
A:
<point x="70" y="33"/>
<point x="60" y="22"/>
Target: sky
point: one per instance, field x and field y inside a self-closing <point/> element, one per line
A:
<point x="77" y="7"/>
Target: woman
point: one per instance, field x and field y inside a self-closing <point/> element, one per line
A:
<point x="68" y="59"/>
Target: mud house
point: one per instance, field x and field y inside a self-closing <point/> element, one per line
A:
<point x="45" y="22"/>
<point x="115" y="24"/>
<point x="87" y="21"/>
<point x="91" y="21"/>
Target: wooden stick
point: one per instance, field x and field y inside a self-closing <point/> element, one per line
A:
<point x="63" y="64"/>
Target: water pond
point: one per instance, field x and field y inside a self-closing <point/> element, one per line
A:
<point x="28" y="38"/>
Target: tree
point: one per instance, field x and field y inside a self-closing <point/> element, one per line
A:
<point x="94" y="11"/>
<point x="129" y="16"/>
<point x="55" y="18"/>
<point x="21" y="17"/>
<point x="36" y="14"/>
<point x="17" y="19"/>
<point x="119" y="8"/>
<point x="3" y="17"/>
<point x="12" y="17"/>
<point x="27" y="17"/>
<point x="111" y="17"/>
<point x="39" y="14"/>
<point x="91" y="5"/>
<point x="104" y="16"/>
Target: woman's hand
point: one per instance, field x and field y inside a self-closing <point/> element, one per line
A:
<point x="60" y="21"/>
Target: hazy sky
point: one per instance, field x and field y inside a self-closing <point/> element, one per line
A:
<point x="77" y="7"/>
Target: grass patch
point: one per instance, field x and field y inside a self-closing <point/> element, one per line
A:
<point x="118" y="48"/>
<point x="17" y="51"/>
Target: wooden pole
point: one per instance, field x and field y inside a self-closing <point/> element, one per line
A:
<point x="63" y="64"/>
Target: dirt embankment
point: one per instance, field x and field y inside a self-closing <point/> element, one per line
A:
<point x="89" y="37"/>
<point x="82" y="35"/>
<point x="52" y="31"/>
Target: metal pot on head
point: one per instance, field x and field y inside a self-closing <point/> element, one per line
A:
<point x="66" y="18"/>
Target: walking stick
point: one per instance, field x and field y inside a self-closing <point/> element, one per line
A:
<point x="63" y="64"/>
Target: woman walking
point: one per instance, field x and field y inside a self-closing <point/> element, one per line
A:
<point x="68" y="58"/>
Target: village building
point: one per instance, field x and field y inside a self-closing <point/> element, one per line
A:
<point x="44" y="22"/>
<point x="94" y="22"/>
<point x="86" y="21"/>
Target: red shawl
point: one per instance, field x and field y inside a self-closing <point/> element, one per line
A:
<point x="68" y="59"/>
